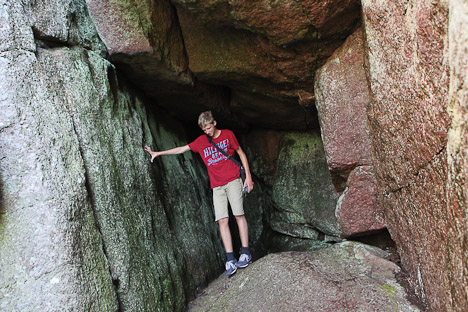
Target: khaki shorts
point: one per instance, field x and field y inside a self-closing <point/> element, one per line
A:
<point x="231" y="191"/>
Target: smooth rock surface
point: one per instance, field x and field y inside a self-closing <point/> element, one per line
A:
<point x="346" y="277"/>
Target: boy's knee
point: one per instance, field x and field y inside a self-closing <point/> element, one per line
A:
<point x="241" y="217"/>
<point x="223" y="222"/>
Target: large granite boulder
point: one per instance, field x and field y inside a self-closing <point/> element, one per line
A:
<point x="283" y="164"/>
<point x="345" y="277"/>
<point x="87" y="222"/>
<point x="303" y="202"/>
<point x="342" y="94"/>
<point x="302" y="166"/>
<point x="282" y="22"/>
<point x="145" y="39"/>
<point x="409" y="121"/>
<point x="457" y="155"/>
<point x="294" y="191"/>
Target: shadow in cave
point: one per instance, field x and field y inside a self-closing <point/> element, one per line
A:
<point x="380" y="239"/>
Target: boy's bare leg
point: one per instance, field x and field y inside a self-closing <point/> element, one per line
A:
<point x="243" y="230"/>
<point x="225" y="234"/>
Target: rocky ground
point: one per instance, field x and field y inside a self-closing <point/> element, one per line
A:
<point x="348" y="276"/>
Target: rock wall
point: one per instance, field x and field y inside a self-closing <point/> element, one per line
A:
<point x="86" y="222"/>
<point x="457" y="155"/>
<point x="302" y="166"/>
<point x="408" y="48"/>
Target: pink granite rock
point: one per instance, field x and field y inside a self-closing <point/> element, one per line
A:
<point x="282" y="22"/>
<point x="409" y="79"/>
<point x="145" y="37"/>
<point x="457" y="153"/>
<point x="358" y="209"/>
<point x="409" y="82"/>
<point x="342" y="94"/>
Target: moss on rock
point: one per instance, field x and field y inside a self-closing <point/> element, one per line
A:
<point x="303" y="191"/>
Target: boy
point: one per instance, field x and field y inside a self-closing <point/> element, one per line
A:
<point x="225" y="181"/>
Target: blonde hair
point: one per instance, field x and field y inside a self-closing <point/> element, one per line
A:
<point x="205" y="118"/>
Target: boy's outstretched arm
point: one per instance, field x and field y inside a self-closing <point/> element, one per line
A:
<point x="173" y="151"/>
<point x="245" y="164"/>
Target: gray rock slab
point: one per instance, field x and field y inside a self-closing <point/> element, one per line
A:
<point x="302" y="166"/>
<point x="87" y="223"/>
<point x="51" y="254"/>
<point x="348" y="276"/>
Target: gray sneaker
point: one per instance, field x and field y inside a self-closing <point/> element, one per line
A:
<point x="230" y="268"/>
<point x="244" y="261"/>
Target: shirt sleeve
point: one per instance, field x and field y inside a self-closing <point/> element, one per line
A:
<point x="195" y="145"/>
<point x="234" y="143"/>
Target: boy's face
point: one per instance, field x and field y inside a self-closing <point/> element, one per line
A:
<point x="210" y="128"/>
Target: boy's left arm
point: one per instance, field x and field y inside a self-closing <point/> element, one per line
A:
<point x="245" y="163"/>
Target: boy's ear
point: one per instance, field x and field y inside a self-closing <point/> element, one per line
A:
<point x="214" y="123"/>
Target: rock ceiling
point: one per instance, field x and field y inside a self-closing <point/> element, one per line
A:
<point x="249" y="61"/>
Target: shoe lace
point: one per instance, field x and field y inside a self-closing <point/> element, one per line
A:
<point x="244" y="257"/>
<point x="230" y="265"/>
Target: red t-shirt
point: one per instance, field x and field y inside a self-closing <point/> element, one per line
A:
<point x="221" y="170"/>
